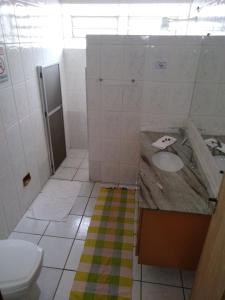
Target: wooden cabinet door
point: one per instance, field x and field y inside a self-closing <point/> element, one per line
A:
<point x="209" y="281"/>
<point x="171" y="239"/>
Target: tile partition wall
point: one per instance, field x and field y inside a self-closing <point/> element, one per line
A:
<point x="30" y="33"/>
<point x="133" y="83"/>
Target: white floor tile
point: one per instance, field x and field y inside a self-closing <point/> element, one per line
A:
<point x="62" y="188"/>
<point x="27" y="225"/>
<point x="33" y="238"/>
<point x="71" y="162"/>
<point x="136" y="267"/>
<point x="85" y="164"/>
<point x="66" y="229"/>
<point x="82" y="232"/>
<point x="85" y="189"/>
<point x="75" y="254"/>
<point x="136" y="290"/>
<point x="161" y="275"/>
<point x="187" y="294"/>
<point x="65" y="173"/>
<point x="77" y="153"/>
<point x="65" y="286"/>
<point x="161" y="292"/>
<point x="98" y="186"/>
<point x="90" y="207"/>
<point x="48" y="282"/>
<point x="79" y="206"/>
<point x="56" y="251"/>
<point x="188" y="278"/>
<point x="82" y="175"/>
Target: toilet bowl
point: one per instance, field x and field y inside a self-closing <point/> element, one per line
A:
<point x="20" y="265"/>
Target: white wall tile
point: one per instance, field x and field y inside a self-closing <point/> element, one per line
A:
<point x="111" y="150"/>
<point x="220" y="100"/>
<point x="110" y="171"/>
<point x="204" y="98"/>
<point x="33" y="94"/>
<point x="180" y="98"/>
<point x="7" y="107"/>
<point x="111" y="62"/>
<point x="28" y="60"/>
<point x="78" y="137"/>
<point x="10" y="200"/>
<point x="130" y="125"/>
<point x="3" y="223"/>
<point x="111" y="95"/>
<point x="132" y="97"/>
<point x="4" y="157"/>
<point x="17" y="158"/>
<point x="134" y="62"/>
<point x="93" y="94"/>
<point x="162" y="123"/>
<point x="186" y="62"/>
<point x="20" y="115"/>
<point x="21" y="100"/>
<point x="2" y="132"/>
<point x="93" y="61"/>
<point x="38" y="54"/>
<point x="95" y="170"/>
<point x="15" y="62"/>
<point x="128" y="174"/>
<point x="157" y="98"/>
<point x="111" y="124"/>
<point x="95" y="149"/>
<point x="211" y="64"/>
<point x="95" y="124"/>
<point x="130" y="151"/>
<point x="41" y="151"/>
<point x="76" y="101"/>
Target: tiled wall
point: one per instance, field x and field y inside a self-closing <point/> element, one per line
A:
<point x="75" y="96"/>
<point x="208" y="105"/>
<point x="133" y="83"/>
<point x="30" y="33"/>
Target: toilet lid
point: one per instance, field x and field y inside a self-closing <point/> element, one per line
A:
<point x="19" y="261"/>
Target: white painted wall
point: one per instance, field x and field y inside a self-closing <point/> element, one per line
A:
<point x="22" y="137"/>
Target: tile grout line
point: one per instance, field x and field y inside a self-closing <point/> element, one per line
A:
<point x="164" y="284"/>
<point x="182" y="282"/>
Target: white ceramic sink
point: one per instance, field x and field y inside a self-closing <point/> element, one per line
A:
<point x="167" y="161"/>
<point x="220" y="161"/>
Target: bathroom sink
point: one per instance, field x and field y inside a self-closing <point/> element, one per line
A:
<point x="220" y="162"/>
<point x="167" y="161"/>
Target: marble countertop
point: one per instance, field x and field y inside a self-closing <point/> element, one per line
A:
<point x="183" y="190"/>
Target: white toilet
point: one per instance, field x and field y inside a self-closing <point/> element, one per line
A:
<point x="20" y="265"/>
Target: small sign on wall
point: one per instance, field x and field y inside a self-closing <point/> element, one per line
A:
<point x="3" y="70"/>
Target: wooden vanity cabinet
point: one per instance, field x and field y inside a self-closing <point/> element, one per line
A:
<point x="170" y="238"/>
